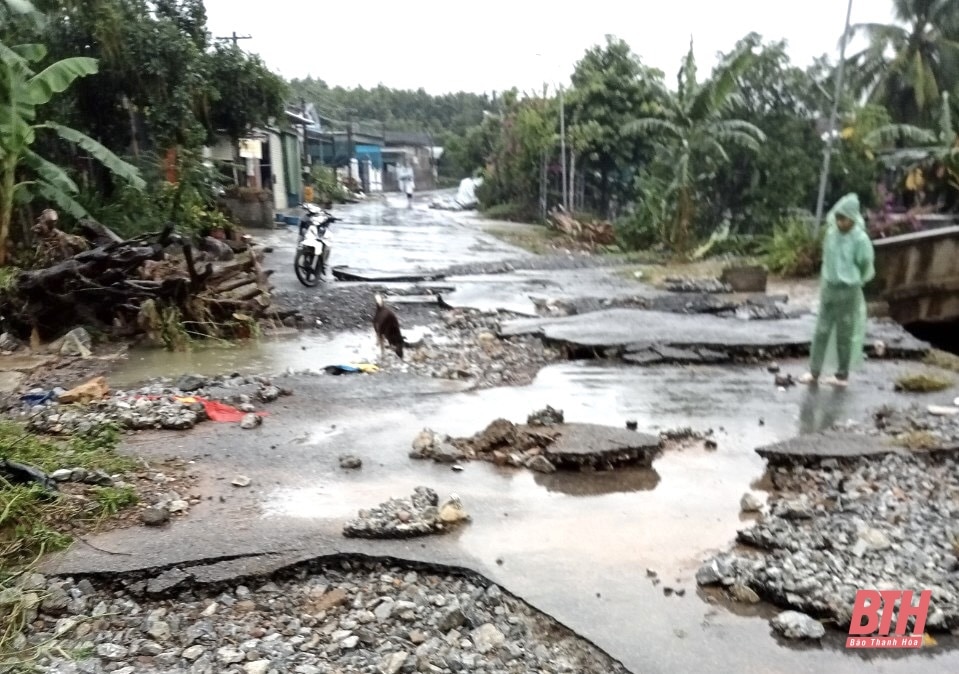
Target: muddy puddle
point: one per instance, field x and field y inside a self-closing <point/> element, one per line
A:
<point x="278" y="353"/>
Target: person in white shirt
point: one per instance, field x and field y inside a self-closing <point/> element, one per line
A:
<point x="406" y="182"/>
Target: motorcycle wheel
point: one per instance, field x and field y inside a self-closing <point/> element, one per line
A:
<point x="307" y="268"/>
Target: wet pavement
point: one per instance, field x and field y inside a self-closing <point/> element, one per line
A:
<point x="384" y="235"/>
<point x="635" y="329"/>
<point x="576" y="546"/>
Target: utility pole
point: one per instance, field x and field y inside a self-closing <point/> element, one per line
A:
<point x="349" y="145"/>
<point x="235" y="38"/>
<point x="562" y="145"/>
<point x="827" y="153"/>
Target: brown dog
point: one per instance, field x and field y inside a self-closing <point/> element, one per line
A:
<point x="387" y="328"/>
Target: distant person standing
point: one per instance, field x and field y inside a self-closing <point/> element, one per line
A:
<point x="406" y="182"/>
<point x="847" y="266"/>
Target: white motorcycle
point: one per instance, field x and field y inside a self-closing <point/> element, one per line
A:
<point x="312" y="246"/>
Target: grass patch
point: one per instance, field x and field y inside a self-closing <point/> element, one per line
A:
<point x="114" y="499"/>
<point x="923" y="382"/>
<point x="535" y="239"/>
<point x="943" y="360"/>
<point x="93" y="450"/>
<point x="34" y="521"/>
<point x="510" y="212"/>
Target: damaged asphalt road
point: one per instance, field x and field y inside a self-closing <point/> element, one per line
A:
<point x="613" y="556"/>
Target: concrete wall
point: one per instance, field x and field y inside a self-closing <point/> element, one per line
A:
<point x="918" y="275"/>
<point x="280" y="202"/>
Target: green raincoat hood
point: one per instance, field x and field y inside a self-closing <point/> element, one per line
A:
<point x="847" y="256"/>
<point x="848" y="207"/>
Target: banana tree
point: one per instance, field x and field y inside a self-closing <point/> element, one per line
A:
<point x="691" y="133"/>
<point x="22" y="91"/>
<point x="912" y="147"/>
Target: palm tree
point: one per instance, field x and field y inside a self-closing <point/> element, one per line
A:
<point x="692" y="130"/>
<point x="908" y="64"/>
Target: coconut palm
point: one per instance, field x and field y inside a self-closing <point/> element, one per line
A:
<point x="692" y="131"/>
<point x="22" y="92"/>
<point x="909" y="63"/>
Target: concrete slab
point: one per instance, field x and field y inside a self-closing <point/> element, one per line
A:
<point x="414" y="299"/>
<point x="600" y="446"/>
<point x="825" y="446"/>
<point x="633" y="330"/>
<point x="344" y="273"/>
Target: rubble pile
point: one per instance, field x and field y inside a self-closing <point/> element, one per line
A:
<point x="696" y="285"/>
<point x="502" y="443"/>
<point x="419" y="515"/>
<point x="466" y="347"/>
<point x="838" y="527"/>
<point x="165" y="404"/>
<point x="545" y="444"/>
<point x="341" y="619"/>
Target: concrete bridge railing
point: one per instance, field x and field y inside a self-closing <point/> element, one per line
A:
<point x="917" y="275"/>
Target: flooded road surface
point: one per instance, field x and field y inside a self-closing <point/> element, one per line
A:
<point x="283" y="352"/>
<point x="385" y="235"/>
<point x="593" y="550"/>
<point x="579" y="547"/>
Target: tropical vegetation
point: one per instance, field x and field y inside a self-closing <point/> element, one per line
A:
<point x="731" y="157"/>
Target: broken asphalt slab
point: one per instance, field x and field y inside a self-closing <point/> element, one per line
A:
<point x="827" y="445"/>
<point x="344" y="273"/>
<point x="595" y="445"/>
<point x="626" y="331"/>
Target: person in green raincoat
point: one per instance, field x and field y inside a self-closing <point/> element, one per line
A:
<point x="847" y="266"/>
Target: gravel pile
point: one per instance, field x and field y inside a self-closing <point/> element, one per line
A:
<point x="378" y="621"/>
<point x="837" y="528"/>
<point x="466" y="347"/>
<point x="164" y="404"/>
<point x="418" y="515"/>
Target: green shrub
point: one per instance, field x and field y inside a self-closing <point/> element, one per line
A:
<point x="637" y="231"/>
<point x="795" y="248"/>
<point x="326" y="186"/>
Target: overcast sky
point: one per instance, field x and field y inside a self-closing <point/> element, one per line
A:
<point x="446" y="46"/>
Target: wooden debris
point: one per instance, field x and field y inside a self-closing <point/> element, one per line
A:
<point x="147" y="285"/>
<point x="597" y="232"/>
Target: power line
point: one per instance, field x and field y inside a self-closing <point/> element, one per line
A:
<point x="236" y="38"/>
